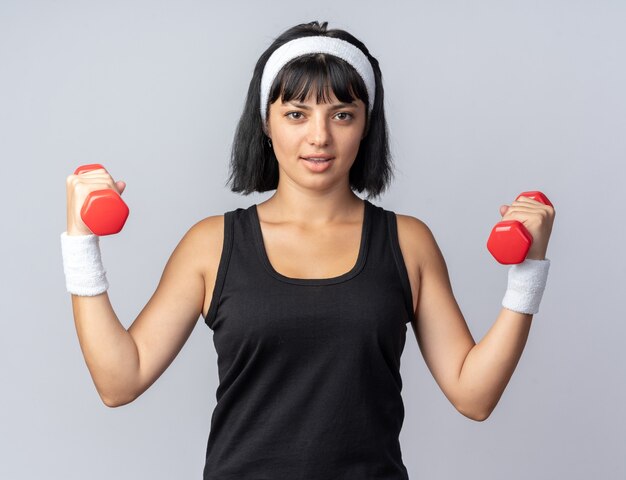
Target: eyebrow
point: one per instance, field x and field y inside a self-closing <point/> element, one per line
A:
<point x="334" y="106"/>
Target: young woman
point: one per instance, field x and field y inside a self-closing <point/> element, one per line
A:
<point x="309" y="293"/>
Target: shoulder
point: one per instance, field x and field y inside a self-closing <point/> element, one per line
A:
<point x="411" y="226"/>
<point x="207" y="226"/>
<point x="209" y="229"/>
<point x="202" y="243"/>
<point x="412" y="230"/>
<point x="416" y="239"/>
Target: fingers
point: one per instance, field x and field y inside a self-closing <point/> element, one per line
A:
<point x="525" y="216"/>
<point x="94" y="180"/>
<point x="532" y="202"/>
<point x="526" y="210"/>
<point x="528" y="205"/>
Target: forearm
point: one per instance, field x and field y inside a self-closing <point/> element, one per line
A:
<point x="489" y="365"/>
<point x="109" y="350"/>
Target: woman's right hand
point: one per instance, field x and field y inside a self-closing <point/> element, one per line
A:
<point x="78" y="187"/>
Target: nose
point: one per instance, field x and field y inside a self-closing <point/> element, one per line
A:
<point x="319" y="132"/>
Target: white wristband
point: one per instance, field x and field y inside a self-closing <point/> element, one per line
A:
<point x="82" y="264"/>
<point x="527" y="281"/>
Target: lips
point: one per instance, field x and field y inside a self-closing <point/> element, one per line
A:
<point x="317" y="163"/>
<point x="318" y="157"/>
<point x="317" y="160"/>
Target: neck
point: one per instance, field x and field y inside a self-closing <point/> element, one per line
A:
<point x="307" y="207"/>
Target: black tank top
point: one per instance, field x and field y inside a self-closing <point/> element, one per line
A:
<point x="309" y="380"/>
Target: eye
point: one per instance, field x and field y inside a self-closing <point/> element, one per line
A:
<point x="347" y="116"/>
<point x="297" y="117"/>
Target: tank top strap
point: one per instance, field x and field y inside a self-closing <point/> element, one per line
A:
<point x="386" y="260"/>
<point x="227" y="247"/>
<point x="392" y="232"/>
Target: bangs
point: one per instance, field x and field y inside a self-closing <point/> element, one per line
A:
<point x="327" y="74"/>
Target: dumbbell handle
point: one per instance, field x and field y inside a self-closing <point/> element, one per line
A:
<point x="509" y="241"/>
<point x="103" y="211"/>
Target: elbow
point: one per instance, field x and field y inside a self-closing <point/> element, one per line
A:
<point x="474" y="406"/>
<point x="480" y="417"/>
<point x="118" y="394"/>
<point x="114" y="401"/>
<point x="475" y="413"/>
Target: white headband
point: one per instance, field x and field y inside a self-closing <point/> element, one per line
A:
<point x="304" y="45"/>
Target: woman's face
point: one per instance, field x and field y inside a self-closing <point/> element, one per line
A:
<point x="330" y="131"/>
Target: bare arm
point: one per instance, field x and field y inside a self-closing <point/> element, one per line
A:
<point x="472" y="375"/>
<point x="490" y="364"/>
<point x="109" y="350"/>
<point x="124" y="363"/>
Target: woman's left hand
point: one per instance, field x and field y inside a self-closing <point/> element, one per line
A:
<point x="537" y="218"/>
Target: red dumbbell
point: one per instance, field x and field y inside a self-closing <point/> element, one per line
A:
<point x="509" y="240"/>
<point x="104" y="212"/>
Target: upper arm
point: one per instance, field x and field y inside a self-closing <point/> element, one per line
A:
<point x="166" y="322"/>
<point x="440" y="328"/>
